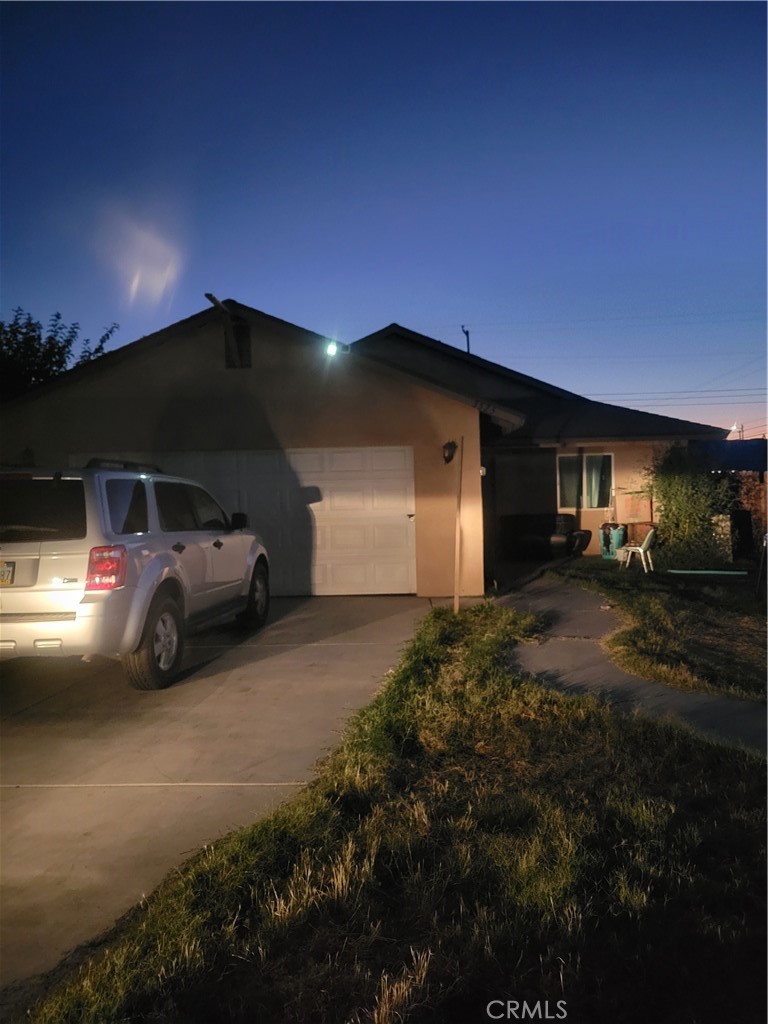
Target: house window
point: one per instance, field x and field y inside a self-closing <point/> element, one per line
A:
<point x="591" y="488"/>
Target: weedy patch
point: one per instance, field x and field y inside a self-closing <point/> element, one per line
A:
<point x="687" y="634"/>
<point x="475" y="837"/>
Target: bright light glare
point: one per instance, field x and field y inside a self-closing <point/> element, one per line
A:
<point x="331" y="348"/>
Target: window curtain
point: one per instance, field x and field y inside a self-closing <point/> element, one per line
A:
<point x="598" y="482"/>
<point x="569" y="470"/>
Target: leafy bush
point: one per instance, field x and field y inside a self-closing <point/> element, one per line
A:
<point x="690" y="501"/>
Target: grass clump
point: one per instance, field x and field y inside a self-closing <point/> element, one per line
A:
<point x="689" y="633"/>
<point x="474" y="837"/>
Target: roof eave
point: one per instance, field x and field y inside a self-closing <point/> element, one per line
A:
<point x="508" y="419"/>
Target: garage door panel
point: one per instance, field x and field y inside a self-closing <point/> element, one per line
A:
<point x="348" y="499"/>
<point x="351" y="537"/>
<point x="390" y="537"/>
<point x="391" y="495"/>
<point x="348" y="578"/>
<point x="391" y="579"/>
<point x="353" y="461"/>
<point x="388" y="460"/>
<point x="320" y="581"/>
<point x="307" y="463"/>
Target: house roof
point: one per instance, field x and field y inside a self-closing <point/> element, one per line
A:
<point x="556" y="421"/>
<point x="157" y="338"/>
<point x="550" y="415"/>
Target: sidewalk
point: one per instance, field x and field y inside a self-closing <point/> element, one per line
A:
<point x="572" y="659"/>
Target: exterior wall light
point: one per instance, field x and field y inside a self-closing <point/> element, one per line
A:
<point x="334" y="347"/>
<point x="449" y="450"/>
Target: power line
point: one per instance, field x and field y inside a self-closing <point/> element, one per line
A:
<point x="687" y="391"/>
<point x="735" y="372"/>
<point x="734" y="316"/>
<point x="685" y="399"/>
<point x="666" y="356"/>
<point x="693" y="404"/>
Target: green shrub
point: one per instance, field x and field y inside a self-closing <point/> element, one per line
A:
<point x="690" y="501"/>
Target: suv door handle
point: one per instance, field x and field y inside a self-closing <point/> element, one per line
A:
<point x="178" y="547"/>
<point x="218" y="544"/>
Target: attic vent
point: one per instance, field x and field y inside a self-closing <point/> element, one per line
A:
<point x="237" y="344"/>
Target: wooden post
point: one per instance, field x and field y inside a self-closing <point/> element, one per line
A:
<point x="457" y="538"/>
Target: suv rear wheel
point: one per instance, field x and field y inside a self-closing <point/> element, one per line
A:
<point x="156" y="661"/>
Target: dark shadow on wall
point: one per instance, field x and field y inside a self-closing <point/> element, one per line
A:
<point x="520" y="507"/>
<point x="230" y="446"/>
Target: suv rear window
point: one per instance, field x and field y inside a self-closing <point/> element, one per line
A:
<point x="41" y="509"/>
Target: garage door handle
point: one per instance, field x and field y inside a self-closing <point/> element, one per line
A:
<point x="218" y="544"/>
<point x="411" y="515"/>
<point x="178" y="547"/>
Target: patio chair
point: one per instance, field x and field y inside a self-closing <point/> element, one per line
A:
<point x="644" y="550"/>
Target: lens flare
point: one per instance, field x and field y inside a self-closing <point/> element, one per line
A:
<point x="147" y="263"/>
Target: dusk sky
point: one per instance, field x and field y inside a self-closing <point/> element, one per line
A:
<point x="581" y="185"/>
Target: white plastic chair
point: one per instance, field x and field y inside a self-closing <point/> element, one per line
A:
<point x="644" y="550"/>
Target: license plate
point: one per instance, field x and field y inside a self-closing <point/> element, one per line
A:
<point x="7" y="571"/>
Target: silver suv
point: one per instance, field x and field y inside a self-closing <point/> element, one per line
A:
<point x="121" y="560"/>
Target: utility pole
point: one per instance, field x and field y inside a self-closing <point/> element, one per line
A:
<point x="466" y="335"/>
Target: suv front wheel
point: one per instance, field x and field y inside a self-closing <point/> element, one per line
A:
<point x="257" y="609"/>
<point x="156" y="661"/>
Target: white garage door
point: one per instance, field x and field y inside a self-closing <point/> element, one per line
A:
<point x="335" y="520"/>
<point x="364" y="534"/>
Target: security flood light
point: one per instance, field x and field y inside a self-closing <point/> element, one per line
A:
<point x="334" y="347"/>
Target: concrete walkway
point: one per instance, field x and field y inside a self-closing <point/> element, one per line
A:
<point x="571" y="658"/>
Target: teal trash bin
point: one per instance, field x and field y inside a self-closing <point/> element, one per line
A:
<point x="612" y="537"/>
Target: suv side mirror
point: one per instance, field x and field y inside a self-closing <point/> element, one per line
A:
<point x="239" y="521"/>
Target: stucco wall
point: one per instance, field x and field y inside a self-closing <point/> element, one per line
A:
<point x="179" y="396"/>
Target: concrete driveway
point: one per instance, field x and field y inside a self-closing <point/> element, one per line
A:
<point x="106" y="789"/>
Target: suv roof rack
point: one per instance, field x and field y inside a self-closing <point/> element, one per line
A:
<point x="142" y="467"/>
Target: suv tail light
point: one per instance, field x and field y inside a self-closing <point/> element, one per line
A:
<point x="106" y="568"/>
